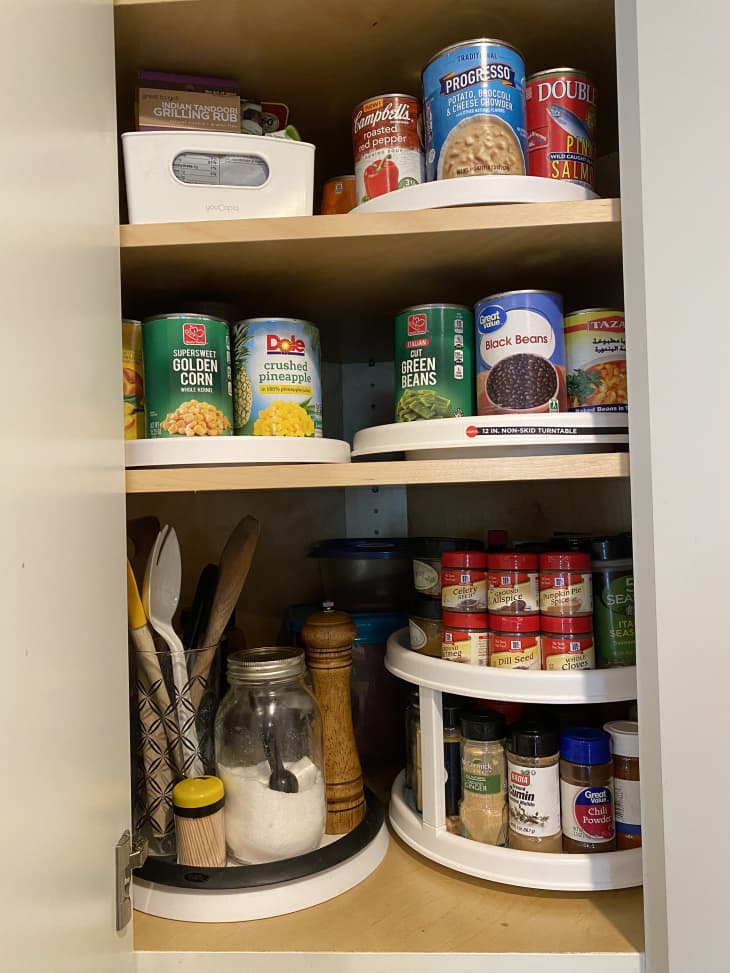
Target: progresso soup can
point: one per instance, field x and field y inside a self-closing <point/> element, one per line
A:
<point x="474" y="111"/>
<point x="188" y="376"/>
<point x="561" y="125"/>
<point x="595" y="348"/>
<point x="387" y="143"/>
<point x="520" y="353"/>
<point x="277" y="385"/>
<point x="434" y="361"/>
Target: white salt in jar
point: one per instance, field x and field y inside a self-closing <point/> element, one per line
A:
<point x="269" y="755"/>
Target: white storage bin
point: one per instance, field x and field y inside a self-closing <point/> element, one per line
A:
<point x="187" y="176"/>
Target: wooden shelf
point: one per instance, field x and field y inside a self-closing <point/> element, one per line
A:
<point x="396" y="473"/>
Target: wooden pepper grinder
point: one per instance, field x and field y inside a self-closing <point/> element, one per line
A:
<point x="328" y="637"/>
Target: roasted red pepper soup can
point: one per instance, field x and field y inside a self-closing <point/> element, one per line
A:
<point x="561" y="125"/>
<point x="387" y="145"/>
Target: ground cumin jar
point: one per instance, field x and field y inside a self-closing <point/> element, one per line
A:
<point x="465" y="638"/>
<point x="464" y="581"/>
<point x="566" y="586"/>
<point x="567" y="643"/>
<point x="625" y="741"/>
<point x="512" y="582"/>
<point x="586" y="791"/>
<point x="514" y="642"/>
<point x="533" y="787"/>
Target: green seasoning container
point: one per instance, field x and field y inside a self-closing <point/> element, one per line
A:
<point x="613" y="602"/>
<point x="434" y="360"/>
<point x="187" y="375"/>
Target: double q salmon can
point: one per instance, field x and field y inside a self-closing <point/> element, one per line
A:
<point x="188" y="374"/>
<point x="595" y="348"/>
<point x="474" y="111"/>
<point x="434" y="362"/>
<point x="561" y="125"/>
<point x="520" y="353"/>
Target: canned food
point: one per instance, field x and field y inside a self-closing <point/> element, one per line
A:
<point x="567" y="643"/>
<point x="188" y="373"/>
<point x="465" y="638"/>
<point x="520" y="353"/>
<point x="434" y="361"/>
<point x="561" y="125"/>
<point x="566" y="585"/>
<point x="514" y="642"/>
<point x="595" y="350"/>
<point x="278" y="388"/>
<point x="513" y="584"/>
<point x="338" y="195"/>
<point x="387" y="145"/>
<point x="132" y="379"/>
<point x="474" y="111"/>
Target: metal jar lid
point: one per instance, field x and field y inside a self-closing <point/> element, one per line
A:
<point x="269" y="663"/>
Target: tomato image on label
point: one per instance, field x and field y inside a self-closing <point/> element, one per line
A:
<point x="381" y="177"/>
<point x="593" y="809"/>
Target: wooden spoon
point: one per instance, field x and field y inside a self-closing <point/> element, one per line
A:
<point x="235" y="563"/>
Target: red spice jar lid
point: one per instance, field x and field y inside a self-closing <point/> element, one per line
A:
<point x="566" y="625"/>
<point x="463" y="559"/>
<point x="465" y="620"/>
<point x="514" y="623"/>
<point x="514" y="562"/>
<point x="566" y="561"/>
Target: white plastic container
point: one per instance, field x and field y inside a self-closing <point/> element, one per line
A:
<point x="188" y="176"/>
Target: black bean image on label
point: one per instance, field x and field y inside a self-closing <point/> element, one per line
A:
<point x="522" y="382"/>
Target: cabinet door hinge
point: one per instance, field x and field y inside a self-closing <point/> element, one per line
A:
<point x="127" y="855"/>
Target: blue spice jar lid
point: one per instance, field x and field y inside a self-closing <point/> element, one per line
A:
<point x="585" y="745"/>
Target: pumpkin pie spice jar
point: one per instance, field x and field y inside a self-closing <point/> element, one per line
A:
<point x="566" y="584"/>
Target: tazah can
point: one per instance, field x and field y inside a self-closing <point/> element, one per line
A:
<point x="474" y="110"/>
<point x="520" y="353"/>
<point x="595" y="348"/>
<point x="387" y="145"/>
<point x="132" y="379"/>
<point x="561" y="125"/>
<point x="434" y="362"/>
<point x="338" y="195"/>
<point x="277" y="388"/>
<point x="188" y="373"/>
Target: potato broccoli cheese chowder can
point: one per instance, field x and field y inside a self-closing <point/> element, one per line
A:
<point x="474" y="111"/>
<point x="132" y="379"/>
<point x="277" y="385"/>
<point x="595" y="348"/>
<point x="561" y="125"/>
<point x="434" y="362"/>
<point x="520" y="353"/>
<point x="188" y="374"/>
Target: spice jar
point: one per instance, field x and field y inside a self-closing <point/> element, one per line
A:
<point x="567" y="643"/>
<point x="199" y="822"/>
<point x="566" y="587"/>
<point x="586" y="791"/>
<point x="534" y="787"/>
<point x="424" y="625"/>
<point x="414" y="773"/>
<point x="514" y="641"/>
<point x="465" y="638"/>
<point x="427" y="553"/>
<point x="483" y="808"/>
<point x="464" y="581"/>
<point x="269" y="754"/>
<point x="627" y="790"/>
<point x="452" y="766"/>
<point x="513" y="584"/>
<point x="613" y="602"/>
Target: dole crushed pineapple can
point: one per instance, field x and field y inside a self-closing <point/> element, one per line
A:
<point x="132" y="379"/>
<point x="277" y="382"/>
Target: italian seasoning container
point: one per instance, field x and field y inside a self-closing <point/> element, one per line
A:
<point x="483" y="806"/>
<point x="613" y="602"/>
<point x="586" y="791"/>
<point x="534" y="787"/>
<point x="199" y="826"/>
<point x="625" y="741"/>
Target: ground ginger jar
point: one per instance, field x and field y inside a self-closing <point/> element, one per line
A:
<point x="483" y="808"/>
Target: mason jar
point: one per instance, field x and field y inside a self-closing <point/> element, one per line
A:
<point x="270" y="757"/>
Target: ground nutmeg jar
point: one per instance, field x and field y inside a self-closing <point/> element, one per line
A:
<point x="586" y="791"/>
<point x="566" y="585"/>
<point x="465" y="638"/>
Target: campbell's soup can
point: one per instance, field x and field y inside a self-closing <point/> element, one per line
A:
<point x="520" y="353"/>
<point x="338" y="195"/>
<point x="474" y="111"/>
<point x="561" y="125"/>
<point x="387" y="143"/>
<point x="595" y="349"/>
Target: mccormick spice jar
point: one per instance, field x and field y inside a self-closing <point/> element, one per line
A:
<point x="513" y="584"/>
<point x="464" y="581"/>
<point x="465" y="638"/>
<point x="514" y="641"/>
<point x="338" y="195"/>
<point x="586" y="791"/>
<point x="427" y="553"/>
<point x="483" y="807"/>
<point x="567" y="642"/>
<point x="613" y="602"/>
<point x="387" y="145"/>
<point x="566" y="587"/>
<point x="595" y="349"/>
<point x="561" y="125"/>
<point x="424" y="624"/>
<point x="533" y="776"/>
<point x="627" y="790"/>
<point x="520" y="353"/>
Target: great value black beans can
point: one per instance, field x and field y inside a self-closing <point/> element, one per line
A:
<point x="520" y="353"/>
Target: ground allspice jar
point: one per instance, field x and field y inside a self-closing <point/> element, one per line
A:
<point x="513" y="584"/>
<point x="586" y="791"/>
<point x="533" y="787"/>
<point x="625" y="740"/>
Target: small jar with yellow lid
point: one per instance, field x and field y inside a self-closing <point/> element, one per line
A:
<point x="199" y="824"/>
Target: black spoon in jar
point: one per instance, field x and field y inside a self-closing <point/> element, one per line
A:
<point x="281" y="779"/>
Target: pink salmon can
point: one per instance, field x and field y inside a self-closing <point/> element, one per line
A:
<point x="561" y="125"/>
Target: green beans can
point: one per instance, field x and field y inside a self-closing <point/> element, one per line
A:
<point x="434" y="360"/>
<point x="188" y="376"/>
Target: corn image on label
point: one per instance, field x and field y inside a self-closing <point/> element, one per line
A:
<point x="277" y="384"/>
<point x="132" y="379"/>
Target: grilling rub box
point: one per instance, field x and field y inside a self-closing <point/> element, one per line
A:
<point x="179" y="101"/>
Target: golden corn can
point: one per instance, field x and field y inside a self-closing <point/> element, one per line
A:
<point x="188" y="373"/>
<point x="132" y="379"/>
<point x="595" y="349"/>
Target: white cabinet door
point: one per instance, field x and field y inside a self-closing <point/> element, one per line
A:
<point x="63" y="656"/>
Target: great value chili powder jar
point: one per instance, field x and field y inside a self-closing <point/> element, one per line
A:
<point x="566" y="586"/>
<point x="586" y="791"/>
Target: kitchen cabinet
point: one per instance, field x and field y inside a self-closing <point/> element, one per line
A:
<point x="64" y="692"/>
